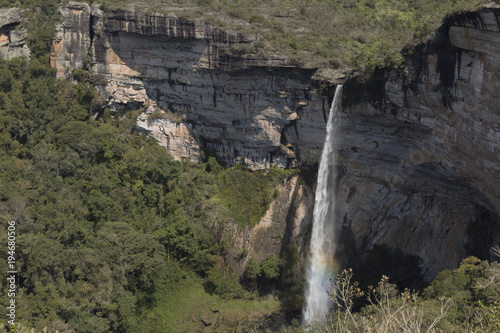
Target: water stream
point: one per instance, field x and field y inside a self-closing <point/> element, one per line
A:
<point x="321" y="261"/>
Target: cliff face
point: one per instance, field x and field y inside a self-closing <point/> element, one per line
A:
<point x="285" y="227"/>
<point x="254" y="112"/>
<point x="420" y="163"/>
<point x="12" y="34"/>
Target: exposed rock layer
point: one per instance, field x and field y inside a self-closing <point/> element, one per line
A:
<point x="245" y="110"/>
<point x="12" y="34"/>
<point x="284" y="227"/>
<point x="419" y="159"/>
<point x="421" y="166"/>
<point x="72" y="38"/>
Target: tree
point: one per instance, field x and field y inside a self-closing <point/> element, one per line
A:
<point x="270" y="267"/>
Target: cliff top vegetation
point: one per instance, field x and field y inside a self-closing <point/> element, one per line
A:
<point x="327" y="34"/>
<point x="332" y="35"/>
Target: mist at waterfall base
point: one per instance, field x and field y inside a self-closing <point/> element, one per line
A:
<point x="321" y="265"/>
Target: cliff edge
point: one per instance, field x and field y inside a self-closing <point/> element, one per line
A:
<point x="196" y="97"/>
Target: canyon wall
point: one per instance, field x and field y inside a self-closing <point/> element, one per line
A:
<point x="419" y="167"/>
<point x="421" y="155"/>
<point x="285" y="227"/>
<point x="197" y="96"/>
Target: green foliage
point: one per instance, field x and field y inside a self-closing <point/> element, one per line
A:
<point x="465" y="299"/>
<point x="84" y="76"/>
<point x="246" y="194"/>
<point x="292" y="280"/>
<point x="356" y="34"/>
<point x="257" y="19"/>
<point x="105" y="216"/>
<point x="270" y="267"/>
<point x="250" y="276"/>
<point x="252" y="269"/>
<point x="223" y="283"/>
<point x="474" y="288"/>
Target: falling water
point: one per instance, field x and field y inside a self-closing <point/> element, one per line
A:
<point x="321" y="263"/>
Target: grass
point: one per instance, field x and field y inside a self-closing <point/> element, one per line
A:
<point x="181" y="309"/>
<point x="247" y="195"/>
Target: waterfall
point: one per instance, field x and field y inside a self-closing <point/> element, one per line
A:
<point x="321" y="260"/>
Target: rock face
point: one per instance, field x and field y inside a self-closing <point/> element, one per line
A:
<point x="419" y="150"/>
<point x="247" y="111"/>
<point x="421" y="164"/>
<point x="12" y="35"/>
<point x="72" y="39"/>
<point x="284" y="227"/>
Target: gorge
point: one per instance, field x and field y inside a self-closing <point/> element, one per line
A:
<point x="418" y="152"/>
<point x="173" y="172"/>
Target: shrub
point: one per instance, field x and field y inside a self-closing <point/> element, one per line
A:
<point x="257" y="19"/>
<point x="270" y="267"/>
<point x="252" y="269"/>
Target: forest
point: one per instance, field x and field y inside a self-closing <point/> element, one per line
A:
<point x="105" y="216"/>
<point x="114" y="235"/>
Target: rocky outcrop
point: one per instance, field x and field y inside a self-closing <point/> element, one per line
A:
<point x="421" y="162"/>
<point x="256" y="112"/>
<point x="12" y="34"/>
<point x="72" y="39"/>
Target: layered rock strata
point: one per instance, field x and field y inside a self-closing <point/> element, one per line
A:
<point x="419" y="158"/>
<point x="12" y="34"/>
<point x="255" y="112"/>
<point x="421" y="162"/>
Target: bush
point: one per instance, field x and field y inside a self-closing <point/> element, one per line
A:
<point x="252" y="269"/>
<point x="257" y="19"/>
<point x="270" y="267"/>
<point x="465" y="299"/>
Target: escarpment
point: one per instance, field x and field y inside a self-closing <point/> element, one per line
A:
<point x="258" y="113"/>
<point x="420" y="162"/>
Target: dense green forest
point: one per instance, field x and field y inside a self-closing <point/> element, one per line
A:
<point x="113" y="235"/>
<point x="110" y="229"/>
<point x="105" y="217"/>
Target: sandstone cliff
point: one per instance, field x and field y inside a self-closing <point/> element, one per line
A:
<point x="12" y="34"/>
<point x="419" y="151"/>
<point x="420" y="159"/>
<point x="258" y="113"/>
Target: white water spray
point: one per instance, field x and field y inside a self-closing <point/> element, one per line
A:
<point x="321" y="262"/>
